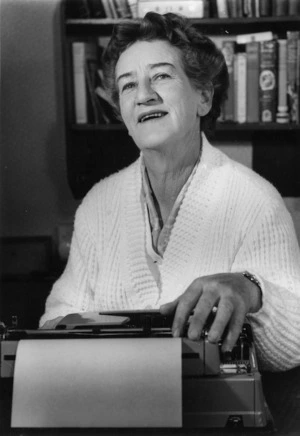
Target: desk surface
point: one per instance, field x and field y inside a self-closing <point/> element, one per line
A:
<point x="282" y="393"/>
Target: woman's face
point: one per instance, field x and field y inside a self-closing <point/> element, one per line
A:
<point x="158" y="104"/>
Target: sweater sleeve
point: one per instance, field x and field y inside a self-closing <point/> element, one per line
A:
<point x="270" y="251"/>
<point x="73" y="291"/>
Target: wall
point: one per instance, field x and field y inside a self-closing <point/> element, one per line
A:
<point x="35" y="196"/>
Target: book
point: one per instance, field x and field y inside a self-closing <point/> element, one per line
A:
<point x="259" y="36"/>
<point x="282" y="115"/>
<point x="222" y="8"/>
<point x="240" y="83"/>
<point x="113" y="8"/>
<point x="256" y="7"/>
<point x="133" y="8"/>
<point x="107" y="8"/>
<point x="239" y="8"/>
<point x="79" y="84"/>
<point x="268" y="81"/>
<point x="293" y="38"/>
<point x="248" y="10"/>
<point x="280" y="8"/>
<point x="123" y="9"/>
<point x="252" y="88"/>
<point x="232" y="8"/>
<point x="228" y="50"/>
<point x="265" y="8"/>
<point x="293" y="7"/>
<point x="96" y="9"/>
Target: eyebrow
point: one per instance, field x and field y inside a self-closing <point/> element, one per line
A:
<point x="152" y="66"/>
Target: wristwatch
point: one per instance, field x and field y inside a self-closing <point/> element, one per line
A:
<point x="252" y="278"/>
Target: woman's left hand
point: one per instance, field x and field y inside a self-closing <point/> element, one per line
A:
<point x="232" y="293"/>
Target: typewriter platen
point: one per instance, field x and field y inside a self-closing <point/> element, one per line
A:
<point x="218" y="389"/>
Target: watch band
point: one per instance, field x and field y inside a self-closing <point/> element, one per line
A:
<point x="252" y="278"/>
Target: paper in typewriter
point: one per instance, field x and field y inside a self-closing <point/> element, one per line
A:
<point x="128" y="382"/>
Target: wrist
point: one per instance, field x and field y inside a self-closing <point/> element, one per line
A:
<point x="256" y="292"/>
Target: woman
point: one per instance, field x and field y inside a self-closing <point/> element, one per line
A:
<point x="184" y="228"/>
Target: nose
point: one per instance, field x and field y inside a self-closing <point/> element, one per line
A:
<point x="145" y="93"/>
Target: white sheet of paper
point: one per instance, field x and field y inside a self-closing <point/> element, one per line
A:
<point x="128" y="382"/>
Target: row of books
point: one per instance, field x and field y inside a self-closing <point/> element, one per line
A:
<point x="263" y="73"/>
<point x="91" y="105"/>
<point x="116" y="9"/>
<point x="253" y="8"/>
<point x="101" y="9"/>
<point x="264" y="78"/>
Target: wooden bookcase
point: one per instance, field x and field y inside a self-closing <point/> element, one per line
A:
<point x="94" y="151"/>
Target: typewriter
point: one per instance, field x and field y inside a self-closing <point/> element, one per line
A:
<point x="219" y="389"/>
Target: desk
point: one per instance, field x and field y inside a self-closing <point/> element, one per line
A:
<point x="282" y="392"/>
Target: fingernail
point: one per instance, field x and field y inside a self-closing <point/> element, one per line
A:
<point x="213" y="338"/>
<point x="193" y="335"/>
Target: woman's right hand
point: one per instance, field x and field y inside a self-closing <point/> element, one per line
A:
<point x="52" y="323"/>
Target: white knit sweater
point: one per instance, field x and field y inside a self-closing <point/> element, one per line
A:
<point x="230" y="220"/>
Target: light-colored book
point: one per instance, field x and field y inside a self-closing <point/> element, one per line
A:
<point x="240" y="82"/>
<point x="80" y="92"/>
<point x="259" y="36"/>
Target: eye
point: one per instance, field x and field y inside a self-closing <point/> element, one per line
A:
<point x="128" y="86"/>
<point x="161" y="76"/>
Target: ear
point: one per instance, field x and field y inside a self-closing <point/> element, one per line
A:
<point x="205" y="101"/>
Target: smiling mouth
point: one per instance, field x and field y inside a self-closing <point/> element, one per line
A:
<point x="152" y="116"/>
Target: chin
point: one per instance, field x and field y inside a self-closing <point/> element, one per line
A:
<point x="152" y="142"/>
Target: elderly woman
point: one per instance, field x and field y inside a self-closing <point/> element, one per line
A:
<point x="184" y="228"/>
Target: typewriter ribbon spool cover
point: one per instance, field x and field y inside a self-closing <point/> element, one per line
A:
<point x="98" y="383"/>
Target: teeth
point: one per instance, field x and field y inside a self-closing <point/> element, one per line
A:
<point x="154" y="115"/>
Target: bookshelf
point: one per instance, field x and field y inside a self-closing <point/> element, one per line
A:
<point x="94" y="151"/>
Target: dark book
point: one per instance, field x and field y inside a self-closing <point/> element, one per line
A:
<point x="280" y="8"/>
<point x="96" y="9"/>
<point x="293" y="42"/>
<point x="265" y="8"/>
<point x="232" y="8"/>
<point x="252" y="99"/>
<point x="268" y="81"/>
<point x="228" y="49"/>
<point x="294" y="7"/>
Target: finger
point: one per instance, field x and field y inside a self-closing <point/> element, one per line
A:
<point x="234" y="329"/>
<point x="222" y="318"/>
<point x="168" y="308"/>
<point x="201" y="312"/>
<point x="185" y="306"/>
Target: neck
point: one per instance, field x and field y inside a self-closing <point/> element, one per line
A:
<point x="167" y="175"/>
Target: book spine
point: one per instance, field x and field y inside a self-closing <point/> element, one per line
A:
<point x="280" y="8"/>
<point x="133" y="6"/>
<point x="232" y="8"/>
<point x="282" y="110"/>
<point x="292" y="74"/>
<point x="240" y="80"/>
<point x="107" y="9"/>
<point x="265" y="8"/>
<point x="268" y="81"/>
<point x="113" y="8"/>
<point x="79" y="84"/>
<point x="252" y="51"/>
<point x="123" y="8"/>
<point x="228" y="49"/>
<point x="222" y="9"/>
<point x="294" y="7"/>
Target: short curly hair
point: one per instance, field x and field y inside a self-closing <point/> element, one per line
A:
<point x="202" y="61"/>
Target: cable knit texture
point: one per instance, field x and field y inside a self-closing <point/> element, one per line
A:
<point x="230" y="220"/>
